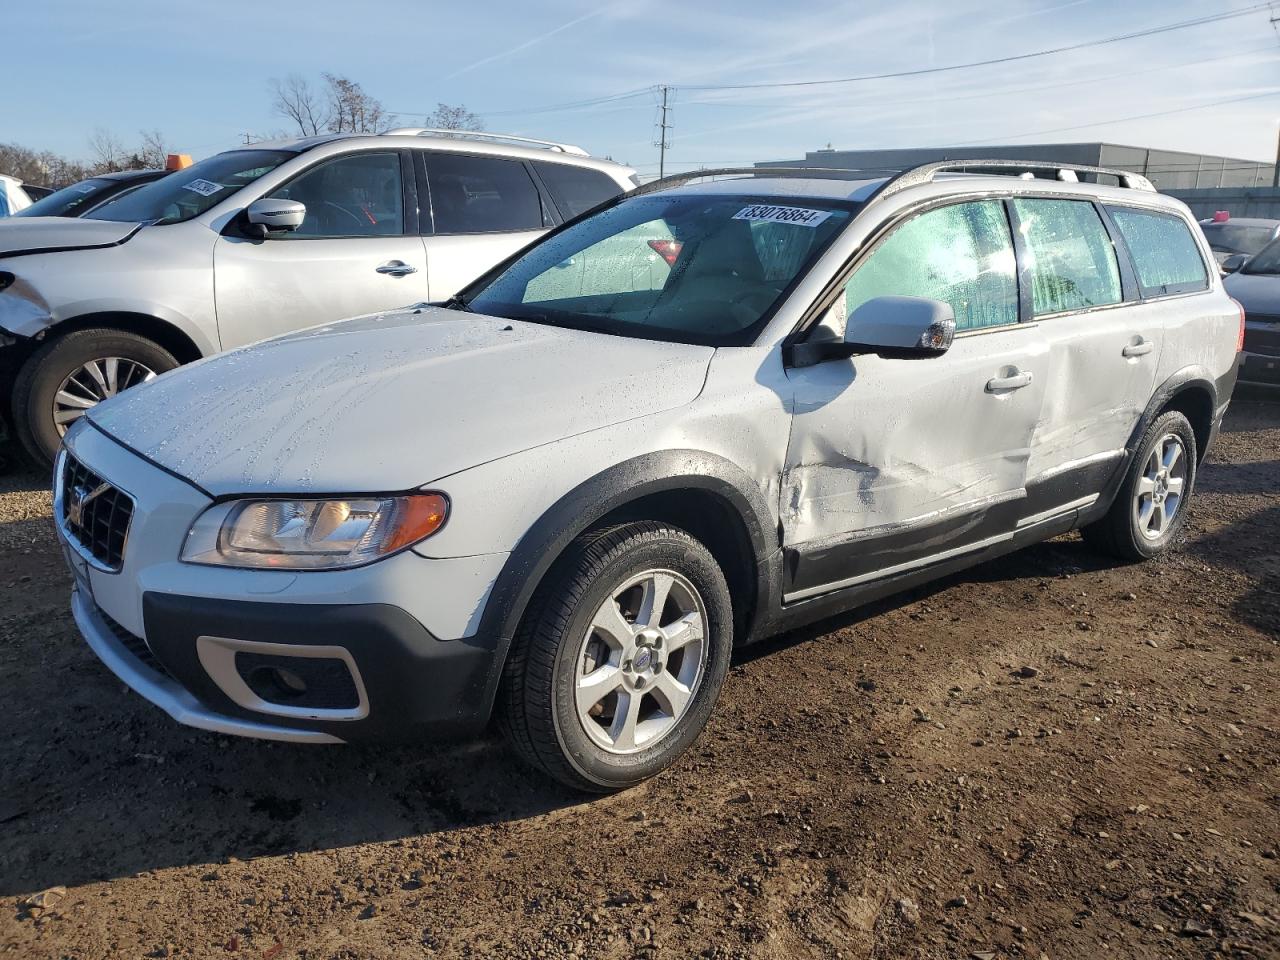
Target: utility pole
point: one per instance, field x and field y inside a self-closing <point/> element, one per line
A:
<point x="1275" y="171"/>
<point x="663" y="143"/>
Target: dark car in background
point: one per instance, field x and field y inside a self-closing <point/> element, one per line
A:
<point x="36" y="193"/>
<point x="79" y="198"/>
<point x="1256" y="286"/>
<point x="1229" y="236"/>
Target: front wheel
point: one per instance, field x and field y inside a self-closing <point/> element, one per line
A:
<point x="71" y="374"/>
<point x="1151" y="508"/>
<point x="620" y="658"/>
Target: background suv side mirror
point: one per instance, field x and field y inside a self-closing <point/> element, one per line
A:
<point x="896" y="328"/>
<point x="1234" y="262"/>
<point x="267" y="216"/>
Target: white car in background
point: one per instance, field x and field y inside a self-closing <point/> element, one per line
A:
<point x="12" y="197"/>
<point x="260" y="241"/>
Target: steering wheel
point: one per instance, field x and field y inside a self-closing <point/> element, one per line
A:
<point x="711" y="316"/>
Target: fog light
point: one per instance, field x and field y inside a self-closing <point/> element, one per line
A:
<point x="276" y="683"/>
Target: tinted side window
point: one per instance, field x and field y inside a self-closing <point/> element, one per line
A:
<point x="1165" y="255"/>
<point x="1069" y="255"/>
<point x="576" y="189"/>
<point x="482" y="194"/>
<point x="961" y="254"/>
<point x="356" y="196"/>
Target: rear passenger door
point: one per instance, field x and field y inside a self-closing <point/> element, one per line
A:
<point x="1104" y="348"/>
<point x="480" y="210"/>
<point x="893" y="464"/>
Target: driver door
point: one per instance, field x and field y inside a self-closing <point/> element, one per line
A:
<point x="355" y="253"/>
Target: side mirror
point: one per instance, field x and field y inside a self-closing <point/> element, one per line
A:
<point x="1234" y="262"/>
<point x="267" y="216"/>
<point x="896" y="328"/>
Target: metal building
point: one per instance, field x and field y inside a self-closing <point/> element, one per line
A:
<point x="1170" y="170"/>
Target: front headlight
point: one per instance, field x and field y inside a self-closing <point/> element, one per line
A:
<point x="312" y="534"/>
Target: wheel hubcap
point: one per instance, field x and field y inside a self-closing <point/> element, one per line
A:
<point x="90" y="384"/>
<point x="641" y="661"/>
<point x="1160" y="488"/>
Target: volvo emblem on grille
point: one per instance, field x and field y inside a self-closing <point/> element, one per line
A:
<point x="80" y="497"/>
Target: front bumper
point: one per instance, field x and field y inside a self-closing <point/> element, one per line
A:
<point x="390" y="650"/>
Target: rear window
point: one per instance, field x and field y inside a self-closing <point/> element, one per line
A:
<point x="1236" y="237"/>
<point x="482" y="195"/>
<point x="576" y="189"/>
<point x="1072" y="262"/>
<point x="69" y="201"/>
<point x="1165" y="254"/>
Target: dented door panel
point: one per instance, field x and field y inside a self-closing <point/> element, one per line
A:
<point x="893" y="460"/>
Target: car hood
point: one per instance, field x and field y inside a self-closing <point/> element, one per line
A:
<point x="1257" y="292"/>
<point x="390" y="402"/>
<point x="21" y="235"/>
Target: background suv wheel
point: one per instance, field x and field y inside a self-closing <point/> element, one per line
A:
<point x="620" y="658"/>
<point x="1151" y="508"/>
<point x="70" y="374"/>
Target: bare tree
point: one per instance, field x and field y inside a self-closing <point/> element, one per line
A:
<point x="109" y="153"/>
<point x="153" y="154"/>
<point x="295" y="100"/>
<point x="446" y="117"/>
<point x="351" y="110"/>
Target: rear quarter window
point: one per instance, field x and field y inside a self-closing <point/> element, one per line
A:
<point x="1165" y="254"/>
<point x="576" y="189"/>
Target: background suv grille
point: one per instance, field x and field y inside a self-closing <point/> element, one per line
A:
<point x="94" y="513"/>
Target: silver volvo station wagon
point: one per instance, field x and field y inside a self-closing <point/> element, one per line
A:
<point x="700" y="414"/>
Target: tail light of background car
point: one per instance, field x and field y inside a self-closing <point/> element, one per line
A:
<point x="668" y="250"/>
<point x="1240" y="337"/>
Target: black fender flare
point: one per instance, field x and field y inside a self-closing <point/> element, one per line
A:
<point x="587" y="503"/>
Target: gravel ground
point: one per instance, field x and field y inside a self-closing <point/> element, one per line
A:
<point x="1049" y="756"/>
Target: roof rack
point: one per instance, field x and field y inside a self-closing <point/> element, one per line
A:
<point x="675" y="179"/>
<point x="484" y="135"/>
<point x="926" y="173"/>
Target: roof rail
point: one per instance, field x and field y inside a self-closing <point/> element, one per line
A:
<point x="1066" y="172"/>
<point x="675" y="179"/>
<point x="484" y="135"/>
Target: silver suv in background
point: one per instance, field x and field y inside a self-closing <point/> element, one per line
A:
<point x="256" y="242"/>
<point x="567" y="494"/>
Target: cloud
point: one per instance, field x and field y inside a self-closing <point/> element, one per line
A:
<point x="532" y="42"/>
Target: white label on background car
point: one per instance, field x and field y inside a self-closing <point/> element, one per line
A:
<point x="768" y="213"/>
<point x="85" y="187"/>
<point x="206" y="188"/>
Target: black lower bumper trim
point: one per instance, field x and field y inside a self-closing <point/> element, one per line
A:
<point x="418" y="687"/>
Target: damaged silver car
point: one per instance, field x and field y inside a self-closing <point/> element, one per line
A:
<point x="701" y="414"/>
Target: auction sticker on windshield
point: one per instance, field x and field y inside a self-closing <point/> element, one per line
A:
<point x="206" y="188"/>
<point x="767" y="213"/>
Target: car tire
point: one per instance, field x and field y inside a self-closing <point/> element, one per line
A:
<point x="1151" y="506"/>
<point x="671" y="664"/>
<point x="47" y="370"/>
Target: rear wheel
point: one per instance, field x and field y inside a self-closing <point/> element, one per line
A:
<point x="71" y="374"/>
<point x="620" y="659"/>
<point x="1151" y="508"/>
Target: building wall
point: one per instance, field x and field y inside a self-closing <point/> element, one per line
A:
<point x="1239" y="201"/>
<point x="1169" y="170"/>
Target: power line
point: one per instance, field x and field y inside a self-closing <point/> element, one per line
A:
<point x="1101" y="123"/>
<point x="923" y="71"/>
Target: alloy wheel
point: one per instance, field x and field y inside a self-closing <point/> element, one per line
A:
<point x="93" y="382"/>
<point x="641" y="662"/>
<point x="1161" y="487"/>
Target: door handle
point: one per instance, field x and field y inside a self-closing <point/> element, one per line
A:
<point x="1014" y="381"/>
<point x="1139" y="349"/>
<point x="396" y="268"/>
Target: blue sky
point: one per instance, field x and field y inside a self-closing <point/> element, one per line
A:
<point x="200" y="73"/>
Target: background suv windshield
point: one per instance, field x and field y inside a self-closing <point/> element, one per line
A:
<point x="695" y="269"/>
<point x="67" y="201"/>
<point x="1236" y="238"/>
<point x="1268" y="261"/>
<point x="190" y="192"/>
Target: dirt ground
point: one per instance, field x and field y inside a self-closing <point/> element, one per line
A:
<point x="1050" y="756"/>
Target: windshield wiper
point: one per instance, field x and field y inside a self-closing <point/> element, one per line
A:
<point x="457" y="303"/>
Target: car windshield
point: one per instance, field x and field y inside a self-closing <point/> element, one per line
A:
<point x="1267" y="261"/>
<point x="683" y="267"/>
<point x="69" y="201"/>
<point x="190" y="192"/>
<point x="1236" y="237"/>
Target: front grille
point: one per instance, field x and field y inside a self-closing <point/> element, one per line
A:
<point x="132" y="643"/>
<point x="94" y="513"/>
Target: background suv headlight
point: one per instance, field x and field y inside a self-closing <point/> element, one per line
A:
<point x="327" y="534"/>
